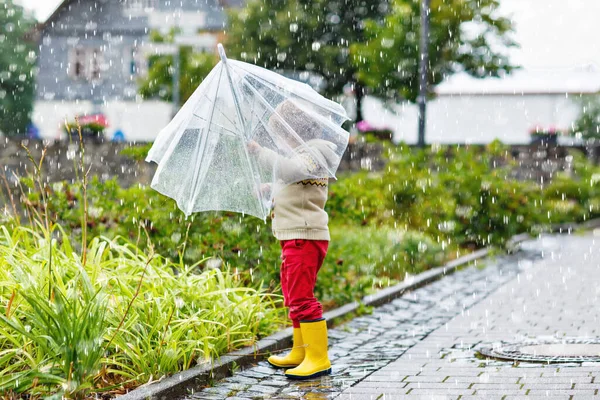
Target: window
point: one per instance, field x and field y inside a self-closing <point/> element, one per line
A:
<point x="85" y="63"/>
<point x="95" y="60"/>
<point x="78" y="63"/>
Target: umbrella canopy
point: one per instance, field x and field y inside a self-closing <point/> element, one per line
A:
<point x="245" y="133"/>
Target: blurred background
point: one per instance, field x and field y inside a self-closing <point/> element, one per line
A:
<point x="503" y="69"/>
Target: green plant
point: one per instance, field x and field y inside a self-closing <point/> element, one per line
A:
<point x="137" y="152"/>
<point x="17" y="68"/>
<point x="123" y="318"/>
<point x="587" y="125"/>
<point x="61" y="336"/>
<point x="194" y="67"/>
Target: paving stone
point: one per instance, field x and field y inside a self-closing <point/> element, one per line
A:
<point x="252" y="395"/>
<point x="206" y="396"/>
<point x="254" y="374"/>
<point x="475" y="397"/>
<point x="496" y="392"/>
<point x="219" y="391"/>
<point x="557" y="379"/>
<point x="444" y="385"/>
<point x="273" y="382"/>
<point x="452" y="392"/>
<point x="263" y="389"/>
<point x="572" y="392"/>
<point x="552" y="396"/>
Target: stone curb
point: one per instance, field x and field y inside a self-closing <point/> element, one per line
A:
<point x="198" y="377"/>
<point x="569" y="227"/>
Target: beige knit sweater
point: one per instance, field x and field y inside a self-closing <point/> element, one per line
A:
<point x="299" y="206"/>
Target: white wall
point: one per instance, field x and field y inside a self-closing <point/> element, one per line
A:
<point x="451" y="119"/>
<point x="138" y="121"/>
<point x="50" y="116"/>
<point x="475" y="119"/>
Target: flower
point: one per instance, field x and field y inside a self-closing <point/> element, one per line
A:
<point x="98" y="119"/>
<point x="364" y="126"/>
<point x="539" y="130"/>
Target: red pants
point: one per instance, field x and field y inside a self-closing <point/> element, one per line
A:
<point x="302" y="260"/>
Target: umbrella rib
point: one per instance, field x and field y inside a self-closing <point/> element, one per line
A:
<point x="196" y="177"/>
<point x="246" y="139"/>
<point x="285" y="124"/>
<point x="220" y="111"/>
<point x="322" y="119"/>
<point x="214" y="123"/>
<point x="267" y="83"/>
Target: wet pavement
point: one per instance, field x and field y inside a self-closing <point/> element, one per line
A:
<point x="554" y="298"/>
<point x="423" y="344"/>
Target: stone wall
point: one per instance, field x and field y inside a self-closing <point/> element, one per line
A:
<point x="106" y="161"/>
<point x="62" y="160"/>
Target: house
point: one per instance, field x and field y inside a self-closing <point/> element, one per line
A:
<point x="470" y="110"/>
<point x="92" y="54"/>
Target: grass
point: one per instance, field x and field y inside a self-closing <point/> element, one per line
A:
<point x="103" y="315"/>
<point x="123" y="319"/>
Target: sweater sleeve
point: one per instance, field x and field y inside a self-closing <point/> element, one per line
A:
<point x="289" y="169"/>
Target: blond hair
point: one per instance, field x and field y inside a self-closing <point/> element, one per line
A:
<point x="299" y="120"/>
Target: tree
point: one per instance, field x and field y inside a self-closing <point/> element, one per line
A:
<point x="17" y="63"/>
<point x="466" y="36"/>
<point x="194" y="67"/>
<point x="371" y="44"/>
<point x="303" y="35"/>
<point x="588" y="122"/>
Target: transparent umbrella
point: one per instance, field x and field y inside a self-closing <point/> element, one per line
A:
<point x="245" y="133"/>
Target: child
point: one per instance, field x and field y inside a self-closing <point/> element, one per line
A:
<point x="300" y="223"/>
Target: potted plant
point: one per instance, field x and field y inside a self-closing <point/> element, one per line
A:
<point x="92" y="127"/>
<point x="373" y="134"/>
<point x="545" y="136"/>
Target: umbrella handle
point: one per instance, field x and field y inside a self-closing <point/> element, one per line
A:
<point x="222" y="52"/>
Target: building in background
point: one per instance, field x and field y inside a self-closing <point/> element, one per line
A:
<point x="93" y="53"/>
<point x="469" y="110"/>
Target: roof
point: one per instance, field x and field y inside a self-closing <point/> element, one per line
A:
<point x="65" y="3"/>
<point x="580" y="80"/>
<point x="55" y="13"/>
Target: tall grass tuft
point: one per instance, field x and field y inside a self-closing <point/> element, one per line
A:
<point x="121" y="320"/>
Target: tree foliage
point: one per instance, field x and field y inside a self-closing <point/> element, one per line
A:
<point x="17" y="62"/>
<point x="194" y="67"/>
<point x="301" y="35"/>
<point x="588" y="122"/>
<point x="371" y="44"/>
<point x="465" y="36"/>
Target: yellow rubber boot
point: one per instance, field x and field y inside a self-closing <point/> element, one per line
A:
<point x="295" y="357"/>
<point x="316" y="361"/>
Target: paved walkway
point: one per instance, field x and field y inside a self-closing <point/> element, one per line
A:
<point x="423" y="344"/>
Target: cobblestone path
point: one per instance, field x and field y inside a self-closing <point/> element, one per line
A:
<point x="423" y="344"/>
